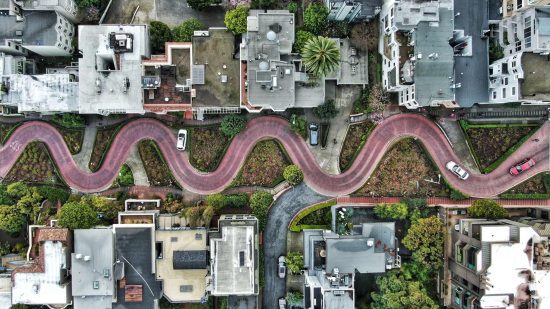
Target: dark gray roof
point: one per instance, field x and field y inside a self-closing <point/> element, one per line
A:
<point x="472" y="72"/>
<point x="134" y="249"/>
<point x="368" y="7"/>
<point x="38" y="27"/>
<point x="494" y="9"/>
<point x="193" y="259"/>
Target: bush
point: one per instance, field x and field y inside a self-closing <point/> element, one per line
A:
<point x="326" y="110"/>
<point x="233" y="124"/>
<point x="488" y="209"/>
<point x="294" y="262"/>
<point x="207" y="215"/>
<point x="184" y="31"/>
<point x="86" y="3"/>
<point x="11" y="219"/>
<point x="239" y="200"/>
<point x="315" y="18"/>
<point x="293" y="175"/>
<point x="193" y="214"/>
<point x="77" y="215"/>
<point x="260" y="202"/>
<point x="391" y="211"/>
<point x="294" y="224"/>
<point x="217" y="201"/>
<point x="302" y="37"/>
<point x="159" y="33"/>
<point x="201" y="4"/>
<point x="69" y="120"/>
<point x="298" y="125"/>
<point x="457" y="195"/>
<point x="54" y="194"/>
<point x="235" y="19"/>
<point x="292" y="7"/>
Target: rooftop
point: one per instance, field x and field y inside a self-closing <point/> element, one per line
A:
<point x="182" y="264"/>
<point x="110" y="78"/>
<point x="38" y="27"/>
<point x="536" y="77"/>
<point x="215" y="70"/>
<point x="353" y="67"/>
<point x="93" y="283"/>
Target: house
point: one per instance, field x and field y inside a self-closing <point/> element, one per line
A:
<point x="498" y="264"/>
<point x="512" y="7"/>
<point x="67" y="8"/>
<point x="353" y="11"/>
<point x="92" y="269"/>
<point x="234" y="256"/>
<point x="45" y="278"/>
<point x="433" y="55"/>
<point x="333" y="260"/>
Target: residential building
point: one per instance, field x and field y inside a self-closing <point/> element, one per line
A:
<point x="433" y="55"/>
<point x="45" y="278"/>
<point x="92" y="269"/>
<point x="111" y="74"/>
<point x="499" y="264"/>
<point x="354" y="10"/>
<point x="5" y="291"/>
<point x="333" y="260"/>
<point x="512" y="7"/>
<point x="234" y="257"/>
<point x="67" y="8"/>
<point x="181" y="261"/>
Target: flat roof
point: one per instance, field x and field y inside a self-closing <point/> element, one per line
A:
<point x="353" y="65"/>
<point x="134" y="248"/>
<point x="233" y="261"/>
<point x="93" y="278"/>
<point x="181" y="285"/>
<point x="220" y="70"/>
<point x="111" y="82"/>
<point x="38" y="27"/>
<point x="536" y="77"/>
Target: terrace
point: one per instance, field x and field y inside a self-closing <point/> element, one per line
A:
<point x="536" y="82"/>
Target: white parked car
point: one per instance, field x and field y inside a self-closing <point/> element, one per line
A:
<point x="282" y="303"/>
<point x="282" y="267"/>
<point x="182" y="139"/>
<point x="457" y="170"/>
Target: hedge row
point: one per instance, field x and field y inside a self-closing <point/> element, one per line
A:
<point x="525" y="196"/>
<point x="294" y="227"/>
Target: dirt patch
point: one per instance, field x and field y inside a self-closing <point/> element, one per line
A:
<point x="489" y="144"/>
<point x="103" y="139"/>
<point x="403" y="172"/>
<point x="264" y="166"/>
<point x="355" y="139"/>
<point x="207" y="147"/>
<point x="34" y="166"/>
<point x="156" y="168"/>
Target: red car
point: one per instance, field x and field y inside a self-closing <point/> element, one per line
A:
<point x="522" y="166"/>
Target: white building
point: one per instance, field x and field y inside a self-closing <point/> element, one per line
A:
<point x="353" y="10"/>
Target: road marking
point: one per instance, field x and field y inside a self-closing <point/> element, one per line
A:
<point x="15" y="146"/>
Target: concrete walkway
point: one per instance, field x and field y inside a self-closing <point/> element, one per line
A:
<point x="136" y="165"/>
<point x="82" y="159"/>
<point x="460" y="146"/>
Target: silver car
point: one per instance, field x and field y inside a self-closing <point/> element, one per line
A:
<point x="457" y="170"/>
<point x="282" y="267"/>
<point x="182" y="139"/>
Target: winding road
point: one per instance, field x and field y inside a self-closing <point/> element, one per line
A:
<point x="383" y="137"/>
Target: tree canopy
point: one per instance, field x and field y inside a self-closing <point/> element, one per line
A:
<point x="233" y="124"/>
<point x="11" y="219"/>
<point x="326" y="110"/>
<point x="397" y="211"/>
<point x="217" y="201"/>
<point x="159" y="34"/>
<point x="235" y="19"/>
<point x="425" y="239"/>
<point x="293" y="175"/>
<point x="202" y="4"/>
<point x="260" y="202"/>
<point x="488" y="209"/>
<point x="315" y="18"/>
<point x="77" y="215"/>
<point x="301" y="38"/>
<point x="321" y="56"/>
<point x="397" y="292"/>
<point x="184" y="31"/>
<point x="294" y="262"/>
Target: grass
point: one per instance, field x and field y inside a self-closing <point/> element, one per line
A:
<point x="34" y="166"/>
<point x="315" y="217"/>
<point x="207" y="146"/>
<point x="492" y="144"/>
<point x="355" y="140"/>
<point x="264" y="166"/>
<point x="402" y="172"/>
<point x="6" y="129"/>
<point x="155" y="166"/>
<point x="103" y="140"/>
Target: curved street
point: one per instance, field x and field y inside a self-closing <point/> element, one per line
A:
<point x="385" y="134"/>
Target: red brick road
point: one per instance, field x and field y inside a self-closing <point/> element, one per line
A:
<point x="385" y="134"/>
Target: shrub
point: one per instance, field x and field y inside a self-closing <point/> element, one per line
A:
<point x="11" y="219"/>
<point x="69" y="120"/>
<point x="233" y="124"/>
<point x="201" y="4"/>
<point x="239" y="200"/>
<point x="184" y="31"/>
<point x="326" y="110"/>
<point x="207" y="215"/>
<point x="54" y="194"/>
<point x="293" y="175"/>
<point x="86" y="3"/>
<point x="193" y="214"/>
<point x="159" y="33"/>
<point x="77" y="215"/>
<point x="457" y="195"/>
<point x="235" y="19"/>
<point x="292" y="7"/>
<point x="425" y="238"/>
<point x="217" y="201"/>
<point x="391" y="211"/>
<point x="315" y="18"/>
<point x="294" y="262"/>
<point x="488" y="209"/>
<point x="260" y="202"/>
<point x="298" y="125"/>
<point x="302" y="37"/>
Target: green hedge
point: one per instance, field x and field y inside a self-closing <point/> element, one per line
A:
<point x="10" y="132"/>
<point x="300" y="227"/>
<point x="294" y="227"/>
<point x="466" y="125"/>
<point x="508" y="153"/>
<point x="525" y="196"/>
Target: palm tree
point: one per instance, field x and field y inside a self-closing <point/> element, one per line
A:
<point x="321" y="56"/>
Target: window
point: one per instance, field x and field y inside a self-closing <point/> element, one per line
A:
<point x="506" y="81"/>
<point x="494" y="95"/>
<point x="503" y="93"/>
<point x="513" y="90"/>
<point x="527" y="31"/>
<point x="544" y="214"/>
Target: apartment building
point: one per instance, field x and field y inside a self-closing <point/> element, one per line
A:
<point x="512" y="7"/>
<point x="354" y="10"/>
<point x="498" y="264"/>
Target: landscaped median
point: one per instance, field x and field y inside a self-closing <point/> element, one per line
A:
<point x="313" y="217"/>
<point x="356" y="138"/>
<point x="535" y="188"/>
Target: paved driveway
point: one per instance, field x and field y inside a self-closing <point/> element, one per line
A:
<point x="280" y="214"/>
<point x="173" y="12"/>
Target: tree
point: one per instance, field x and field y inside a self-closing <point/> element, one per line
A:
<point x="321" y="56"/>
<point x="378" y="99"/>
<point x="315" y="18"/>
<point x="295" y="298"/>
<point x="364" y="36"/>
<point x="207" y="215"/>
<point x="11" y="219"/>
<point x="294" y="262"/>
<point x="260" y="202"/>
<point x="100" y="204"/>
<point x="397" y="211"/>
<point x="18" y="189"/>
<point x="293" y="175"/>
<point x="488" y="209"/>
<point x="86" y="3"/>
<point x="54" y="194"/>
<point x="326" y="110"/>
<point x="69" y="120"/>
<point x="184" y="31"/>
<point x="77" y="215"/>
<point x="159" y="34"/>
<point x="302" y="37"/>
<point x="201" y="4"/>
<point x="298" y="125"/>
<point x="396" y="292"/>
<point x="193" y="214"/>
<point x="232" y="125"/>
<point x="425" y="239"/>
<point x="5" y="197"/>
<point x="292" y="7"/>
<point x="235" y="19"/>
<point x="217" y="201"/>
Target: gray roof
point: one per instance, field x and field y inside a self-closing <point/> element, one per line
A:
<point x="38" y="27"/>
<point x="98" y="244"/>
<point x="472" y="72"/>
<point x="189" y="259"/>
<point x="494" y="9"/>
<point x="431" y="76"/>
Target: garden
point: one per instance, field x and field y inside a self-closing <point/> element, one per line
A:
<point x="73" y="138"/>
<point x="537" y="187"/>
<point x="34" y="166"/>
<point x="155" y="166"/>
<point x="207" y="146"/>
<point x="103" y="140"/>
<point x="355" y="139"/>
<point x="264" y="166"/>
<point x="6" y="129"/>
<point x="406" y="170"/>
<point x="492" y="144"/>
<point x="125" y="177"/>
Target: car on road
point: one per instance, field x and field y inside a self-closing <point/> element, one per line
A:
<point x="457" y="170"/>
<point x="282" y="303"/>
<point x="522" y="166"/>
<point x="182" y="139"/>
<point x="313" y="134"/>
<point x="282" y="267"/>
